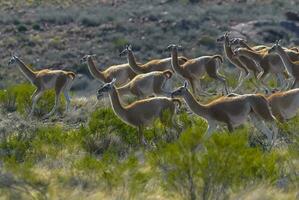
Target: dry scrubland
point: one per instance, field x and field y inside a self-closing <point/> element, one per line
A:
<point x="89" y="153"/>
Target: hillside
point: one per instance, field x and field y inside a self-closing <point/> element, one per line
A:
<point x="57" y="34"/>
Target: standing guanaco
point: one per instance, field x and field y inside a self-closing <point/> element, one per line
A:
<point x="231" y="110"/>
<point x="291" y="66"/>
<point x="45" y="79"/>
<point x="153" y="65"/>
<point x="123" y="73"/>
<point x="141" y="113"/>
<point x="245" y="65"/>
<point x="269" y="62"/>
<point x="194" y="69"/>
<point x="144" y="85"/>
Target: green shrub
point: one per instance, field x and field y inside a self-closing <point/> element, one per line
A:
<point x="22" y="28"/>
<point x="90" y="20"/>
<point x="105" y="122"/>
<point x="36" y="145"/>
<point x="18" y="98"/>
<point x="119" y="43"/>
<point x="36" y="27"/>
<point x="193" y="167"/>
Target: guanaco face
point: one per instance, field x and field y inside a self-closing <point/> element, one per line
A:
<point x="46" y="79"/>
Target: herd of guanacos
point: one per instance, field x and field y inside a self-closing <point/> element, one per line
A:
<point x="148" y="83"/>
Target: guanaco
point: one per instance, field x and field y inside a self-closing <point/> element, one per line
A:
<point x="153" y="65"/>
<point x="291" y="66"/>
<point x="144" y="85"/>
<point x="123" y="73"/>
<point x="246" y="66"/>
<point x="269" y="62"/>
<point x="45" y="79"/>
<point x="231" y="110"/>
<point x="194" y="69"/>
<point x="142" y="113"/>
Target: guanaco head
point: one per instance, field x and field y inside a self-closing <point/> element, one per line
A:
<point x="275" y="48"/>
<point x="107" y="87"/>
<point x="238" y="41"/>
<point x="180" y="91"/>
<point x="174" y="46"/>
<point x="12" y="60"/>
<point x="168" y="74"/>
<point x="86" y="57"/>
<point x="223" y="38"/>
<point x="126" y="50"/>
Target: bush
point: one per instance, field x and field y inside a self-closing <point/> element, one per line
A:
<point x="18" y="98"/>
<point x="90" y="20"/>
<point x="193" y="167"/>
<point x="22" y="28"/>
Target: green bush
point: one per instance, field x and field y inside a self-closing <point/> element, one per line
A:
<point x="193" y="167"/>
<point x="36" y="145"/>
<point x="18" y="98"/>
<point x="90" y="20"/>
<point x="22" y="28"/>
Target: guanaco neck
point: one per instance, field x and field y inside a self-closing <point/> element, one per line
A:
<point x="94" y="71"/>
<point x="251" y="55"/>
<point x="132" y="62"/>
<point x="246" y="45"/>
<point x="194" y="105"/>
<point x="116" y="104"/>
<point x="175" y="62"/>
<point x="29" y="74"/>
<point x="285" y="59"/>
<point x="227" y="48"/>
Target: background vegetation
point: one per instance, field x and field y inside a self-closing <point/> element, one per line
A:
<point x="89" y="153"/>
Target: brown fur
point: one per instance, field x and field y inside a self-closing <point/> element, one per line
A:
<point x="268" y="61"/>
<point x="144" y="85"/>
<point x="122" y="73"/>
<point x="153" y="65"/>
<point x="284" y="105"/>
<point x="71" y="74"/>
<point x="194" y="69"/>
<point x="178" y="101"/>
<point x="48" y="79"/>
<point x="232" y="111"/>
<point x="141" y="113"/>
<point x="168" y="73"/>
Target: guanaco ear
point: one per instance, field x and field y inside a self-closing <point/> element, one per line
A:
<point x="277" y="42"/>
<point x="185" y="84"/>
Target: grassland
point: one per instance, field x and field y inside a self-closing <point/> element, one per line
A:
<point x="89" y="153"/>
